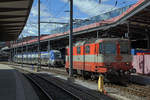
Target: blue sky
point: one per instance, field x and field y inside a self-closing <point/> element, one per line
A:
<point x="56" y="10"/>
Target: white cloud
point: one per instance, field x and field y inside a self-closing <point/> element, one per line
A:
<point x="31" y="27"/>
<point x="43" y="10"/>
<point x="91" y="7"/>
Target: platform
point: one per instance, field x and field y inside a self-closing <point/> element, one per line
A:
<point x="13" y="85"/>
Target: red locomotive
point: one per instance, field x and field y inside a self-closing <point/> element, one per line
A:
<point x="106" y="56"/>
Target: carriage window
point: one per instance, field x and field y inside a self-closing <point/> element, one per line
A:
<point x="100" y="48"/>
<point x="78" y="50"/>
<point x="87" y="49"/>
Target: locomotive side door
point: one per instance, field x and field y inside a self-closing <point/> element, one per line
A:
<point x="96" y="54"/>
<point x="88" y="57"/>
<point x="78" y="59"/>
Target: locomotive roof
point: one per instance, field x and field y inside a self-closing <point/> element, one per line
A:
<point x="97" y="40"/>
<point x="111" y="39"/>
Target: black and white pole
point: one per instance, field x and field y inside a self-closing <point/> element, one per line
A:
<point x="39" y="52"/>
<point x="22" y="50"/>
<point x="128" y="30"/>
<point x="14" y="52"/>
<point x="16" y="47"/>
<point x="70" y="40"/>
<point x="26" y="46"/>
<point x="48" y="47"/>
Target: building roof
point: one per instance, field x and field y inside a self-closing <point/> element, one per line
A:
<point x="13" y="17"/>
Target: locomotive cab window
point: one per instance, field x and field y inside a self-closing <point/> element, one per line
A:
<point x="124" y="48"/>
<point x="100" y="48"/>
<point x="78" y="50"/>
<point x="87" y="49"/>
<point x="57" y="55"/>
<point x="110" y="48"/>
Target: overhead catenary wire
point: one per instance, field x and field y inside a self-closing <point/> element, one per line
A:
<point x="48" y="3"/>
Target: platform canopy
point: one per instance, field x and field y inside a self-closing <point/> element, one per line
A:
<point x="137" y="20"/>
<point x="13" y="17"/>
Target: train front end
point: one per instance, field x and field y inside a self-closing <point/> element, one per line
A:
<point x="116" y="57"/>
<point x="56" y="58"/>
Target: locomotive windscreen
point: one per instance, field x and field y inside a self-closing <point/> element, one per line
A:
<point x="57" y="55"/>
<point x="108" y="48"/>
<point x="124" y="47"/>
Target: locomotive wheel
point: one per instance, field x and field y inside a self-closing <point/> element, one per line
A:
<point x="86" y="75"/>
<point x="93" y="77"/>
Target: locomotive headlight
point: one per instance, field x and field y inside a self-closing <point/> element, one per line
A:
<point x="127" y="64"/>
<point x="53" y="62"/>
<point x="121" y="71"/>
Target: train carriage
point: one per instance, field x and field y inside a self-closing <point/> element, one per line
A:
<point x="44" y="58"/>
<point x="51" y="58"/>
<point x="19" y="58"/>
<point x="29" y="58"/>
<point x="24" y="58"/>
<point x="34" y="58"/>
<point x="56" y="58"/>
<point x="106" y="56"/>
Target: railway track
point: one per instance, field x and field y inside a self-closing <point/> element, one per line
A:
<point x="83" y="93"/>
<point x="52" y="91"/>
<point x="132" y="90"/>
<point x="57" y="89"/>
<point x="143" y="92"/>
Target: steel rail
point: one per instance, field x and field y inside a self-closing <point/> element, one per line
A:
<point x="74" y="88"/>
<point x="137" y="91"/>
<point x="49" y="97"/>
<point x="70" y="93"/>
<point x="81" y="94"/>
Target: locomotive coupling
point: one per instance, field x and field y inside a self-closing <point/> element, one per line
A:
<point x="127" y="72"/>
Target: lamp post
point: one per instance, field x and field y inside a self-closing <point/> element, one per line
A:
<point x="70" y="40"/>
<point x="39" y="52"/>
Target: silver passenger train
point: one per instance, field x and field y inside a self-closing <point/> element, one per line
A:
<point x="51" y="58"/>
